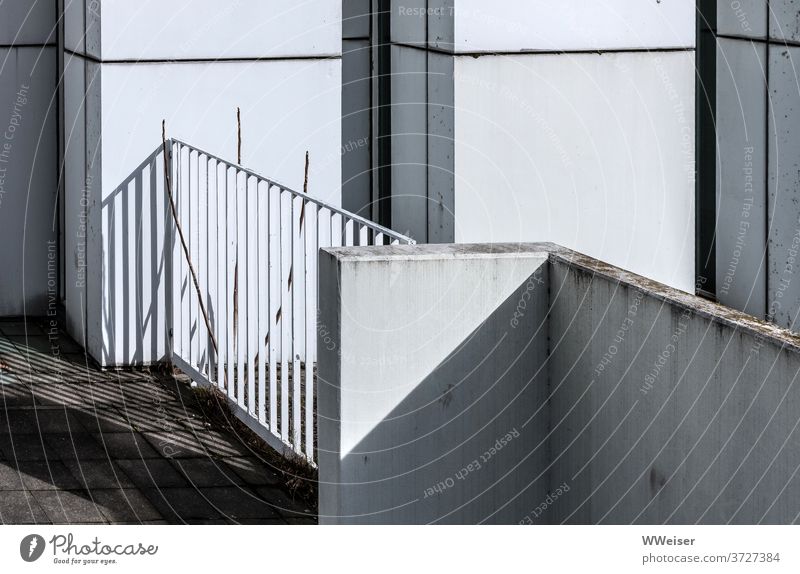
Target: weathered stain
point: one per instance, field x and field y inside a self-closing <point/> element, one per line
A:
<point x="447" y="397"/>
<point x="657" y="481"/>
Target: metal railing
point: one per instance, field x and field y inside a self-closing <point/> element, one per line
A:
<point x="254" y="245"/>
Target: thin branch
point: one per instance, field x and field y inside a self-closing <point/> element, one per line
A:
<point x="238" y="136"/>
<point x="168" y="183"/>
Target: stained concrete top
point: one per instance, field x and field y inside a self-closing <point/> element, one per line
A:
<point x="556" y="253"/>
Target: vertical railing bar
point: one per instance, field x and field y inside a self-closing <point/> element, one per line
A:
<point x="177" y="261"/>
<point x="251" y="318"/>
<point x="336" y="237"/>
<point x="230" y="258"/>
<point x="274" y="302"/>
<point x="311" y="321"/>
<point x="194" y="327"/>
<point x="186" y="216"/>
<point x="220" y="313"/>
<point x="285" y="312"/>
<point x="298" y="264"/>
<point x="202" y="248"/>
<point x="209" y="351"/>
<point x="241" y="288"/>
<point x="262" y="258"/>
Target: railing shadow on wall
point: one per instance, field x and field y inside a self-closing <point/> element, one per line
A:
<point x="252" y="247"/>
<point x="137" y="235"/>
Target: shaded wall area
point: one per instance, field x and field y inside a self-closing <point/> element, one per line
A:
<point x="28" y="147"/>
<point x="665" y="408"/>
<point x="748" y="62"/>
<point x="634" y="402"/>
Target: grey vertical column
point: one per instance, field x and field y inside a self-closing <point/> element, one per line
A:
<point x="356" y="107"/>
<point x="741" y="193"/>
<point x="741" y="234"/>
<point x="81" y="170"/>
<point x="784" y="163"/>
<point x="409" y="142"/>
<point x="409" y="119"/>
<point x="28" y="176"/>
<point x="94" y="207"/>
<point x="420" y="124"/>
<point x="758" y="227"/>
<point x="441" y="121"/>
<point x="784" y="185"/>
<point x="423" y="120"/>
<point x="441" y="148"/>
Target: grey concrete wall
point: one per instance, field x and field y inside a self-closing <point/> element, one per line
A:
<point x="28" y="165"/>
<point x="659" y="407"/>
<point x="431" y="370"/>
<point x="667" y="409"/>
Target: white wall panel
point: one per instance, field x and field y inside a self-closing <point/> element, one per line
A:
<point x="287" y="108"/>
<point x="185" y="29"/>
<point x="519" y="25"/>
<point x="594" y="152"/>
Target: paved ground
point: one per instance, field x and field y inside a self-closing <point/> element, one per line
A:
<point x="78" y="445"/>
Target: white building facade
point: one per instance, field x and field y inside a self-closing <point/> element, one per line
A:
<point x="536" y="120"/>
<point x="446" y="120"/>
<point x="277" y="62"/>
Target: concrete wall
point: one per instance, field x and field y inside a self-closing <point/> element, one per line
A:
<point x="652" y="405"/>
<point x="415" y="392"/>
<point x="667" y="409"/>
<point x="128" y="67"/>
<point x="28" y="165"/>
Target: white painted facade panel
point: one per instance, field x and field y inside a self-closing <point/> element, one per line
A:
<point x="287" y="107"/>
<point x="524" y="25"/>
<point x="591" y="151"/>
<point x="186" y="29"/>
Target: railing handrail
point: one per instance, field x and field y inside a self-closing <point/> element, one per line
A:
<point x="333" y="209"/>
